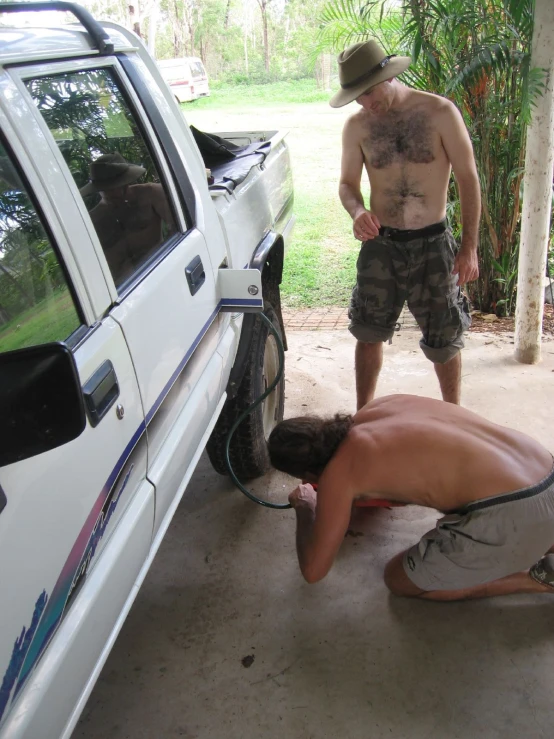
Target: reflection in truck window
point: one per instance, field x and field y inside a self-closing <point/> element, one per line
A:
<point x="110" y="161"/>
<point x="36" y="306"/>
<point x="130" y="217"/>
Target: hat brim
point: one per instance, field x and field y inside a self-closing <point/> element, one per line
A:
<point x="131" y="175"/>
<point x="396" y="66"/>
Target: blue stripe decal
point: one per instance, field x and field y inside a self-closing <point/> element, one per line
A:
<point x="50" y="609"/>
<point x="180" y="367"/>
<point x="240" y="302"/>
<point x="233" y="302"/>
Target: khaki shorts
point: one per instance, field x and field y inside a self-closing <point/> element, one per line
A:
<point x="486" y="540"/>
<point x="419" y="271"/>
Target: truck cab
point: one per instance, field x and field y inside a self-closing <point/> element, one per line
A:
<point x="129" y="285"/>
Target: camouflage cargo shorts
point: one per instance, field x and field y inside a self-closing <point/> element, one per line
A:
<point x="419" y="272"/>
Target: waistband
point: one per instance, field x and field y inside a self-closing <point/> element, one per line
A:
<point x="529" y="492"/>
<point x="399" y="234"/>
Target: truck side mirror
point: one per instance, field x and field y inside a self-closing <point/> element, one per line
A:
<point x="41" y="403"/>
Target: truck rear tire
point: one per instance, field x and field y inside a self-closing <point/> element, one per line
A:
<point x="248" y="451"/>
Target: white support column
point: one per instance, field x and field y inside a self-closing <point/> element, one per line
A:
<point x="537" y="195"/>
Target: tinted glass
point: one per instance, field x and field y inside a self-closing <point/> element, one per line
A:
<point x="36" y="305"/>
<point x="102" y="143"/>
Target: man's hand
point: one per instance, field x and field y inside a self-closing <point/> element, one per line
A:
<point x="366" y="225"/>
<point x="466" y="266"/>
<point x="304" y="496"/>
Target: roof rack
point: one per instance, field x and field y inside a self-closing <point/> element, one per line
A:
<point x="100" y="38"/>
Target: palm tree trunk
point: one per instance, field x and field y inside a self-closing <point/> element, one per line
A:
<point x="537" y="198"/>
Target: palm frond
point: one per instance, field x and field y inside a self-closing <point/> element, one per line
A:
<point x="486" y="59"/>
<point x="534" y="86"/>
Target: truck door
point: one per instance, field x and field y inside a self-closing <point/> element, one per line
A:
<point x="156" y="262"/>
<point x="59" y="508"/>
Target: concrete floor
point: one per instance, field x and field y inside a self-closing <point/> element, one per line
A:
<point x="226" y="641"/>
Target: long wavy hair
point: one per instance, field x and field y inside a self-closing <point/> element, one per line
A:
<point x="303" y="445"/>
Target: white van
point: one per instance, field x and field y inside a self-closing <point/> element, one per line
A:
<point x="186" y="77"/>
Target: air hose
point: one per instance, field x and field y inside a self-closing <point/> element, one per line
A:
<point x="255" y="404"/>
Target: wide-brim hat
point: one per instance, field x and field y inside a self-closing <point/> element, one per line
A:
<point x="361" y="67"/>
<point x="110" y="171"/>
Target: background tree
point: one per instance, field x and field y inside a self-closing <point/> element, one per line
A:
<point x="239" y="41"/>
<point x="263" y="8"/>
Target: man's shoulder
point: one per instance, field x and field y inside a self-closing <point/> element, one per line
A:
<point x="356" y="120"/>
<point x="145" y="187"/>
<point x="430" y="101"/>
<point x="147" y="192"/>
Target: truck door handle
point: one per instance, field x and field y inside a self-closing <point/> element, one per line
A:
<point x="100" y="392"/>
<point x="196" y="276"/>
<point x="3" y="499"/>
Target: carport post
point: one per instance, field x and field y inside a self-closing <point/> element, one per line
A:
<point x="537" y="195"/>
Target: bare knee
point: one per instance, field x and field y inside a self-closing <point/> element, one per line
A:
<point x="370" y="350"/>
<point x="390" y="577"/>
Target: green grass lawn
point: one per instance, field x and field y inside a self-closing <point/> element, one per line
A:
<point x="320" y="265"/>
<point x="53" y="319"/>
<point x="274" y="93"/>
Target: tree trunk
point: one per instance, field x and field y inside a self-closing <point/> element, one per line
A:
<point x="537" y="195"/>
<point x="266" y="42"/>
<point x="246" y="70"/>
<point x="227" y="14"/>
<point x="263" y="7"/>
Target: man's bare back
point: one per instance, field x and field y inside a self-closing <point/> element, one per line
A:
<point x="426" y="452"/>
<point x="496" y="486"/>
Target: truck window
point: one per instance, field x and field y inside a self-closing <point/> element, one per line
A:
<point x="36" y="305"/>
<point x="102" y="144"/>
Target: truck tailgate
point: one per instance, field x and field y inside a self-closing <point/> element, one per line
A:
<point x="253" y="193"/>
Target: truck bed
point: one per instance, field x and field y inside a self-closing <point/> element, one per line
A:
<point x="231" y="156"/>
<point x="252" y="183"/>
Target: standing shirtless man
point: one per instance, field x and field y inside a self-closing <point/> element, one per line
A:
<point x="494" y="485"/>
<point x="408" y="141"/>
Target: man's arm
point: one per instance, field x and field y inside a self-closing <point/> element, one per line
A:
<point x="322" y="520"/>
<point x="457" y="144"/>
<point x="365" y="224"/>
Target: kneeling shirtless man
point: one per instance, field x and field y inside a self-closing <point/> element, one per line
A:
<point x="494" y="485"/>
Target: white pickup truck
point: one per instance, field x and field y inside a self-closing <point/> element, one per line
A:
<point x="127" y="273"/>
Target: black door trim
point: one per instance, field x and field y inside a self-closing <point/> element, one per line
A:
<point x="172" y="154"/>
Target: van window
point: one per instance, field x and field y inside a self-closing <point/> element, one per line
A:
<point x="36" y="305"/>
<point x="197" y="69"/>
<point x="111" y="163"/>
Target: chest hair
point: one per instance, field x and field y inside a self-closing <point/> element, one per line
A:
<point x="400" y="139"/>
